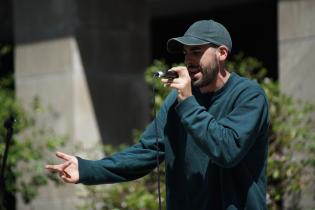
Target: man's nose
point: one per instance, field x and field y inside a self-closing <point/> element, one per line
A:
<point x="188" y="59"/>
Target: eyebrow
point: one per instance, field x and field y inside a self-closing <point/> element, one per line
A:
<point x="192" y="48"/>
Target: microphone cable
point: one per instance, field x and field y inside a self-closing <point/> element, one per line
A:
<point x="157" y="145"/>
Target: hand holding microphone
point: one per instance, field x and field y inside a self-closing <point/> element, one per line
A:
<point x="178" y="78"/>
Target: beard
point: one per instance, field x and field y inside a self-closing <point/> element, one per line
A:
<point x="209" y="74"/>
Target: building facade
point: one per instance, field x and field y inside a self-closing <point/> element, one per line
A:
<point x="86" y="59"/>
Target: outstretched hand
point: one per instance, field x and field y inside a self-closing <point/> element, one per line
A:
<point x="68" y="170"/>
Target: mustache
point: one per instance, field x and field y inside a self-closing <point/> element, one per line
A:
<point x="192" y="66"/>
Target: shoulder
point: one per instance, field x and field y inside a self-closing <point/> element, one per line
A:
<point x="244" y="88"/>
<point x="244" y="84"/>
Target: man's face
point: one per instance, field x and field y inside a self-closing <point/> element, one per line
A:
<point x="202" y="64"/>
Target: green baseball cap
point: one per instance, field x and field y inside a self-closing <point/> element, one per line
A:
<point x="200" y="33"/>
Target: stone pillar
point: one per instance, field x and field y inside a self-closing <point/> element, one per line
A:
<point x="52" y="71"/>
<point x="296" y="60"/>
<point x="86" y="60"/>
<point x="297" y="48"/>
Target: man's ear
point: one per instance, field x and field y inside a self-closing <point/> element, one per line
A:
<point x="222" y="53"/>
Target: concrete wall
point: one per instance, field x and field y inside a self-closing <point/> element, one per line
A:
<point x="297" y="62"/>
<point x="297" y="48"/>
<point x="83" y="58"/>
<point x="114" y="40"/>
<point x="52" y="71"/>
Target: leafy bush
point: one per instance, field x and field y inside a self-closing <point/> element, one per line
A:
<point x="290" y="136"/>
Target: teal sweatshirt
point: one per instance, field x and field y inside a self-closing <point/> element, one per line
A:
<point x="214" y="147"/>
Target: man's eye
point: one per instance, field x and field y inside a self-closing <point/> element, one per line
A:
<point x="196" y="52"/>
<point x="192" y="52"/>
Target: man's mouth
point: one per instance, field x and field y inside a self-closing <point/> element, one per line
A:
<point x="192" y="69"/>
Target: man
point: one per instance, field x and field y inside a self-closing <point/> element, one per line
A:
<point x="212" y="133"/>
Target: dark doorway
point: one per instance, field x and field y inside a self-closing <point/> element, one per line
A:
<point x="253" y="27"/>
<point x="6" y="45"/>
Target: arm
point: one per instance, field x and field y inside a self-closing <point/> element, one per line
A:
<point x="132" y="163"/>
<point x="227" y="140"/>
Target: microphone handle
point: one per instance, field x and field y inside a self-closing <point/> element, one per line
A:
<point x="167" y="74"/>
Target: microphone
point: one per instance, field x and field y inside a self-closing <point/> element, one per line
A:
<point x="166" y="74"/>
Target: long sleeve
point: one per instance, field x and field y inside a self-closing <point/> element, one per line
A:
<point x="227" y="140"/>
<point x="132" y="163"/>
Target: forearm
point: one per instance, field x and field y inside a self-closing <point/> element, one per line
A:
<point x="127" y="165"/>
<point x="134" y="162"/>
<point x="226" y="140"/>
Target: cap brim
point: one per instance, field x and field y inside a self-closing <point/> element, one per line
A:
<point x="175" y="45"/>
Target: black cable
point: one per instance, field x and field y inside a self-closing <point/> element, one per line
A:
<point x="157" y="148"/>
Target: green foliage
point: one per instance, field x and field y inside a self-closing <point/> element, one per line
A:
<point x="291" y="143"/>
<point x="6" y="76"/>
<point x="32" y="139"/>
<point x="248" y="67"/>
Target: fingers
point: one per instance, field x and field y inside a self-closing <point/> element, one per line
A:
<point x="67" y="178"/>
<point x="68" y="170"/>
<point x="53" y="168"/>
<point x="63" y="156"/>
<point x="64" y="175"/>
<point x="61" y="169"/>
<point x="65" y="165"/>
<point x="181" y="71"/>
<point x="168" y="82"/>
<point x="58" y="168"/>
<point x="177" y="83"/>
<point x="182" y="74"/>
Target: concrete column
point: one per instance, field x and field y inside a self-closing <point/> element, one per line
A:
<point x="297" y="48"/>
<point x="52" y="71"/>
<point x="86" y="60"/>
<point x="296" y="61"/>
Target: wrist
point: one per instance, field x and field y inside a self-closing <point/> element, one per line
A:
<point x="181" y="98"/>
